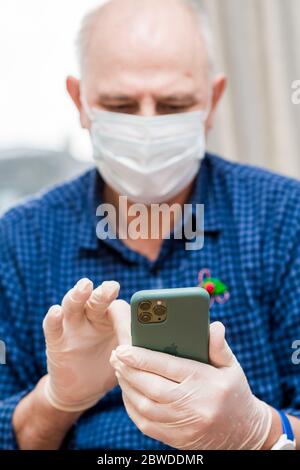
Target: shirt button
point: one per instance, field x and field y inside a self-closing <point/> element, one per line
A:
<point x="155" y="270"/>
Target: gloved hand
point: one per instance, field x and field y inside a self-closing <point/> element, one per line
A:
<point x="189" y="405"/>
<point x="80" y="336"/>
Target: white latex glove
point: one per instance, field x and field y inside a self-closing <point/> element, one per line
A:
<point x="80" y="336"/>
<point x="189" y="405"/>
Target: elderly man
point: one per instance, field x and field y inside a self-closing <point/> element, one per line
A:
<point x="147" y="74"/>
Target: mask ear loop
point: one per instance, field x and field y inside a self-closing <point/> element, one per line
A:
<point x="86" y="107"/>
<point x="207" y="110"/>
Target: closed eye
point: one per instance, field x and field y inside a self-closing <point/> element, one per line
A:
<point x="172" y="108"/>
<point x="127" y="108"/>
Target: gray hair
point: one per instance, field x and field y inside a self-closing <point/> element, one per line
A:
<point x="196" y="7"/>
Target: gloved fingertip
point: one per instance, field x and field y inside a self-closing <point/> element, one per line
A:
<point x="113" y="356"/>
<point x="217" y="328"/>
<point x="111" y="288"/>
<point x="84" y="285"/>
<point x="53" y="324"/>
<point x="124" y="352"/>
<point x="54" y="311"/>
<point x="220" y="353"/>
<point x="53" y="318"/>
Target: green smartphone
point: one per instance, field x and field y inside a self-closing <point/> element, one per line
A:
<point x="173" y="321"/>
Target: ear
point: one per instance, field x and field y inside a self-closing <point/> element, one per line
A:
<point x="73" y="88"/>
<point x="219" y="86"/>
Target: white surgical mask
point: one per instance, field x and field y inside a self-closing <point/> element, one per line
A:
<point x="148" y="159"/>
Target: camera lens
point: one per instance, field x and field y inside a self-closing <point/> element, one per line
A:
<point x="145" y="317"/>
<point x="145" y="305"/>
<point x="160" y="310"/>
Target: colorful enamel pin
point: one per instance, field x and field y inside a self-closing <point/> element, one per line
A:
<point x="217" y="290"/>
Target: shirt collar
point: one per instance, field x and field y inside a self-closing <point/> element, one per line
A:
<point x="204" y="192"/>
<point x="87" y="229"/>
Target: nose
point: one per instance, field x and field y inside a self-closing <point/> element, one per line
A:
<point x="147" y="106"/>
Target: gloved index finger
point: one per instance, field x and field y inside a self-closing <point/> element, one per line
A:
<point x="119" y="314"/>
<point x="74" y="301"/>
<point x="173" y="368"/>
<point x="101" y="299"/>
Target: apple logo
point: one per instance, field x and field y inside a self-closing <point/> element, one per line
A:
<point x="172" y="349"/>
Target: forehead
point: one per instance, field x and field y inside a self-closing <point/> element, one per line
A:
<point x="119" y="78"/>
<point x="145" y="52"/>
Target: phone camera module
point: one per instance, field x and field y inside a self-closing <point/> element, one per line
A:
<point x="160" y="310"/>
<point x="145" y="305"/>
<point x="145" y="317"/>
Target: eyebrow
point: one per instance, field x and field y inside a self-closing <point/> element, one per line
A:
<point x="173" y="98"/>
<point x="119" y="98"/>
<point x="178" y="98"/>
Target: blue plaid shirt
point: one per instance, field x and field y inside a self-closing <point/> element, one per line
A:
<point x="252" y="243"/>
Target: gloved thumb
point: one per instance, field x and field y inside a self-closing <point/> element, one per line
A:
<point x="220" y="354"/>
<point x="119" y="313"/>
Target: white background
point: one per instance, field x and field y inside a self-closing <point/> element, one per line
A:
<point x="37" y="52"/>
